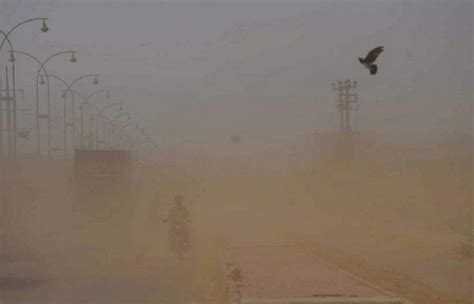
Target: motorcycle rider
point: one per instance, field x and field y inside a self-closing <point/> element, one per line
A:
<point x="178" y="217"/>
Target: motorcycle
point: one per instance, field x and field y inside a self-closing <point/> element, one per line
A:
<point x="179" y="238"/>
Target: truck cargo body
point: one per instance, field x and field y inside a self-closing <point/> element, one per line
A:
<point x="101" y="171"/>
<point x="103" y="203"/>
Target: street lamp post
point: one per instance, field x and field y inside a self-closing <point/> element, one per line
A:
<point x="10" y="101"/>
<point x="130" y="141"/>
<point x="100" y="115"/>
<point x="44" y="28"/>
<point x="109" y="134"/>
<point x="64" y="96"/>
<point x="96" y="82"/>
<point x="43" y="68"/>
<point x="86" y="101"/>
<point x="70" y="90"/>
<point x="81" y="108"/>
<point x="114" y="133"/>
<point x="6" y="35"/>
<point x="121" y="114"/>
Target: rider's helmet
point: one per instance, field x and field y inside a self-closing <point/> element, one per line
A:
<point x="178" y="199"/>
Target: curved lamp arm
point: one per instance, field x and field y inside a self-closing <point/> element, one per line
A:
<point x="5" y="38"/>
<point x="82" y="77"/>
<point x="42" y="67"/>
<point x="73" y="58"/>
<point x="98" y="92"/>
<point x="44" y="28"/>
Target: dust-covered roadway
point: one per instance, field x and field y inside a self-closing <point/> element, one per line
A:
<point x="397" y="228"/>
<point x="48" y="259"/>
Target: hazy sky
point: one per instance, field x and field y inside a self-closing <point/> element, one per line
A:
<point x="203" y="70"/>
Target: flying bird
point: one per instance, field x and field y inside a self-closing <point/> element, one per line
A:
<point x="369" y="60"/>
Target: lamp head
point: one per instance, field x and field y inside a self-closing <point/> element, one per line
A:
<point x="42" y="80"/>
<point x="73" y="57"/>
<point x="44" y="28"/>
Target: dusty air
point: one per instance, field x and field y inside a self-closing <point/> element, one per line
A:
<point x="234" y="151"/>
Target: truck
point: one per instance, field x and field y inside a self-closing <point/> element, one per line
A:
<point x="103" y="202"/>
<point x="102" y="172"/>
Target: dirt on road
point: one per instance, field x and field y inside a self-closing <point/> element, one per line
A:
<point x="404" y="229"/>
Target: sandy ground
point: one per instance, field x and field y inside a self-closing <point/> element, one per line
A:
<point x="404" y="229"/>
<point x="47" y="260"/>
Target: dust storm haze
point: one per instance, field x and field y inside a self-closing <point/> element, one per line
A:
<point x="303" y="177"/>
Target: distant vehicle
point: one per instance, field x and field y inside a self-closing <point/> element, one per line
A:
<point x="103" y="201"/>
<point x="235" y="139"/>
<point x="99" y="172"/>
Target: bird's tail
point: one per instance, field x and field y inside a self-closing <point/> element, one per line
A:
<point x="373" y="69"/>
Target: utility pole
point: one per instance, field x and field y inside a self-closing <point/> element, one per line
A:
<point x="345" y="98"/>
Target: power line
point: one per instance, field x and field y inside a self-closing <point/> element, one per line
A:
<point x="346" y="97"/>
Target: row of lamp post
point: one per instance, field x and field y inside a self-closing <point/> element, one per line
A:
<point x="40" y="80"/>
<point x="114" y="131"/>
<point x="11" y="105"/>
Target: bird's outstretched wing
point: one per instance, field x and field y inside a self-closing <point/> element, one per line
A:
<point x="372" y="55"/>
